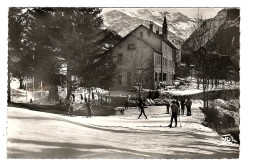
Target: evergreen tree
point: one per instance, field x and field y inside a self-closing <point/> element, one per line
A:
<point x="72" y="37"/>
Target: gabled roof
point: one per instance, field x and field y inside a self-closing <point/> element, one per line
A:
<point x="155" y="49"/>
<point x="161" y="37"/>
<point x="123" y="39"/>
<point x="171" y="44"/>
<point x="131" y="34"/>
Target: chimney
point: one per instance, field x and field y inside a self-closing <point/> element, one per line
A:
<point x="165" y="28"/>
<point x="157" y="31"/>
<point x="151" y="25"/>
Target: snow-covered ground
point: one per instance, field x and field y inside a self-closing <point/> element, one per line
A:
<point x="182" y="92"/>
<point x="20" y="96"/>
<point x="191" y="87"/>
<point x="34" y="134"/>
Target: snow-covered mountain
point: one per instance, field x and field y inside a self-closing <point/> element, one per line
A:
<point x="121" y="21"/>
<point x="221" y="34"/>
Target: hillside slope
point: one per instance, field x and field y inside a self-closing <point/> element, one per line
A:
<point x="222" y="34"/>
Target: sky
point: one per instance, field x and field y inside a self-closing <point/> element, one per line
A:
<point x="190" y="12"/>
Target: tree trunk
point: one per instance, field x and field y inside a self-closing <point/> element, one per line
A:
<point x="204" y="93"/>
<point x="207" y="94"/>
<point x="21" y="83"/>
<point x="69" y="84"/>
<point x="9" y="88"/>
<point x="190" y="71"/>
<point x="53" y="92"/>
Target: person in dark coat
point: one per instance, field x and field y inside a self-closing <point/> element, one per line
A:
<point x="182" y="106"/>
<point x="127" y="102"/>
<point x="174" y="114"/>
<point x="141" y="107"/>
<point x="188" y="104"/>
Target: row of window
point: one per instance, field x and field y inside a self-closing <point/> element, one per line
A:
<point x="145" y="79"/>
<point x="164" y="47"/>
<point x="157" y="60"/>
<point x="165" y="62"/>
<point x="166" y="50"/>
<point x="158" y="77"/>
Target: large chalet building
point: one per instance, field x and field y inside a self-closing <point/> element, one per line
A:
<point x="145" y="56"/>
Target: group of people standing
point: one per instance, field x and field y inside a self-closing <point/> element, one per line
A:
<point x="175" y="107"/>
<point x="70" y="101"/>
<point x="181" y="106"/>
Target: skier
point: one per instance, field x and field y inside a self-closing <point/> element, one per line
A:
<point x="188" y="104"/>
<point x="182" y="106"/>
<point x="127" y="102"/>
<point x="174" y="114"/>
<point x="141" y="107"/>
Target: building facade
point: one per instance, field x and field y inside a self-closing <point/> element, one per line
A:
<point x="146" y="57"/>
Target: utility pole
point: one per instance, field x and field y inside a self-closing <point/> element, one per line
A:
<point x="26" y="89"/>
<point x="69" y="88"/>
<point x="140" y="85"/>
<point x="202" y="52"/>
<point x="109" y="95"/>
<point x="33" y="71"/>
<point x="41" y="88"/>
<point x="9" y="87"/>
<point x="141" y="74"/>
<point x="161" y="68"/>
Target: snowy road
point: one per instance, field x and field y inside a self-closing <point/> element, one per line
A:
<point x="34" y="134"/>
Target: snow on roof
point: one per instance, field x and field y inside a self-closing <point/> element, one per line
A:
<point x="165" y="40"/>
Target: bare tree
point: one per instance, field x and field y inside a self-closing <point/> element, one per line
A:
<point x="140" y="66"/>
<point x="203" y="30"/>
